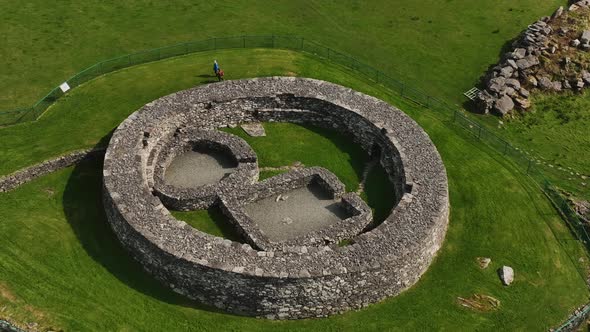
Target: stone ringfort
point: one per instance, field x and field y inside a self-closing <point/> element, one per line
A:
<point x="308" y="273"/>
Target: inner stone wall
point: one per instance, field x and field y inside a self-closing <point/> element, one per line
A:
<point x="295" y="281"/>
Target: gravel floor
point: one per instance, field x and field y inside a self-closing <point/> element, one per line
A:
<point x="305" y="209"/>
<point x="197" y="168"/>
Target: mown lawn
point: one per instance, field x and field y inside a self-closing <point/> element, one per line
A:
<point x="440" y="46"/>
<point x="61" y="266"/>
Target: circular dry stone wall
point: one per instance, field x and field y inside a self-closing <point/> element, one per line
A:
<point x="312" y="275"/>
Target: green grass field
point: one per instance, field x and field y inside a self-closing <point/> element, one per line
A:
<point x="440" y="46"/>
<point x="61" y="266"/>
<point x="556" y="132"/>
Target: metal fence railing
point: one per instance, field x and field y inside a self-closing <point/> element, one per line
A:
<point x="524" y="162"/>
<point x="574" y="322"/>
<point x="33" y="112"/>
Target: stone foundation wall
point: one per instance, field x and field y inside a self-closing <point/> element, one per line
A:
<point x="186" y="199"/>
<point x="12" y="181"/>
<point x="296" y="281"/>
<point x="232" y="204"/>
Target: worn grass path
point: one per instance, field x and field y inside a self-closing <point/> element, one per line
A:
<point x="60" y="264"/>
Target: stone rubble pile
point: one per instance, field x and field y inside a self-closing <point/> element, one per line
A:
<point x="508" y="85"/>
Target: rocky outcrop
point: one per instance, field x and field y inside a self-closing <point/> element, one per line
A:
<point x="546" y="57"/>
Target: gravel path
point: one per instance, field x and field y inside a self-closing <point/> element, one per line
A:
<point x="198" y="168"/>
<point x="305" y="209"/>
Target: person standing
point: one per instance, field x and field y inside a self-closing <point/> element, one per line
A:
<point x="220" y="74"/>
<point x="215" y="67"/>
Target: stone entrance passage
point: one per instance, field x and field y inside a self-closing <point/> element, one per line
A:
<point x="296" y="212"/>
<point x="199" y="167"/>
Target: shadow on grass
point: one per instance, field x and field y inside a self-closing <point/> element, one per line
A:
<point x="379" y="191"/>
<point x="84" y="211"/>
<point x="379" y="194"/>
<point x="211" y="221"/>
<point x="358" y="156"/>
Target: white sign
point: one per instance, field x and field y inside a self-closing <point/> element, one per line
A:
<point x="64" y="87"/>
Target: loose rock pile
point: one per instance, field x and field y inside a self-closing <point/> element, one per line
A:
<point x="549" y="56"/>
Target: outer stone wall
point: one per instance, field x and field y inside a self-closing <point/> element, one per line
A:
<point x="293" y="281"/>
<point x="18" y="178"/>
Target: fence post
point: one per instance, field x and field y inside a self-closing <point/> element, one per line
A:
<point x="377" y="76"/>
<point x="187" y="48"/>
<point x="479" y="133"/>
<point x="328" y="53"/>
<point x="402" y="90"/>
<point x="455" y="116"/>
<point x="505" y="147"/>
<point x="427" y="101"/>
<point x="301" y="43"/>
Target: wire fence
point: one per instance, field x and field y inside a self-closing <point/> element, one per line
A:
<point x="525" y="163"/>
<point x="574" y="322"/>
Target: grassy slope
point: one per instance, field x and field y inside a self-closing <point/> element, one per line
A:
<point x="87" y="282"/>
<point x="441" y="46"/>
<point x="556" y="132"/>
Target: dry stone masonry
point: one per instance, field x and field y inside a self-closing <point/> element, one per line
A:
<point x="359" y="215"/>
<point x="20" y="177"/>
<point x="185" y="139"/>
<point x="308" y="275"/>
<point x="550" y="55"/>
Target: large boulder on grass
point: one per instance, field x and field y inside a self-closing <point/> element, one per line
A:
<point x="506" y="274"/>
